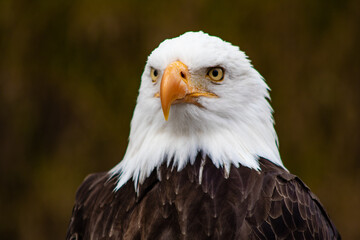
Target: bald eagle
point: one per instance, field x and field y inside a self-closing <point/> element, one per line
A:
<point x="202" y="160"/>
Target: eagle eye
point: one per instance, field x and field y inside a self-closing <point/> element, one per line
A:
<point x="154" y="74"/>
<point x="216" y="74"/>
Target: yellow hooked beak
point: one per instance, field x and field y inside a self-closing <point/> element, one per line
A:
<point x="176" y="87"/>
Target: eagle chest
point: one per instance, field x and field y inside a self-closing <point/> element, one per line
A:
<point x="198" y="202"/>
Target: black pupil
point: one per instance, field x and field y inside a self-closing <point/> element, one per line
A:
<point x="155" y="73"/>
<point x="215" y="73"/>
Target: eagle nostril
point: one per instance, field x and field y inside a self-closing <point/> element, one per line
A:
<point x="182" y="74"/>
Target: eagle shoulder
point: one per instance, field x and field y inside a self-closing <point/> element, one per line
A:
<point x="294" y="211"/>
<point x="93" y="194"/>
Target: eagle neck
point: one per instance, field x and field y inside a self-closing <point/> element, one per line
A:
<point x="150" y="147"/>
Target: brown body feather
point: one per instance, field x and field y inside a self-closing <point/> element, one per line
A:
<point x="244" y="204"/>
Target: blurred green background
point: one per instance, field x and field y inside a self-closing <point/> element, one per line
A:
<point x="70" y="71"/>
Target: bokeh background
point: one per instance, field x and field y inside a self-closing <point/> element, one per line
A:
<point x="70" y="71"/>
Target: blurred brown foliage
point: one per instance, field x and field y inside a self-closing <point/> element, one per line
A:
<point x="70" y="70"/>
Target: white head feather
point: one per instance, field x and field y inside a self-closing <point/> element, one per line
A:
<point x="236" y="128"/>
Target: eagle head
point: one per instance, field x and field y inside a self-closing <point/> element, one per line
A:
<point x="198" y="93"/>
